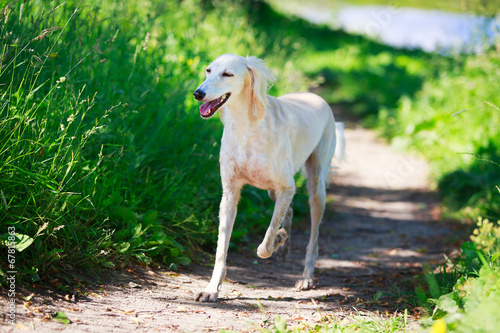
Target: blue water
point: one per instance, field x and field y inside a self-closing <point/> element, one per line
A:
<point x="429" y="30"/>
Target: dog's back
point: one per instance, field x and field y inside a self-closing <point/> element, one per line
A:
<point x="310" y="124"/>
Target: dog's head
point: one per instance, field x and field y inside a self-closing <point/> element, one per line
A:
<point x="230" y="75"/>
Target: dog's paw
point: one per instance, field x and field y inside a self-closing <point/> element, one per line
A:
<point x="263" y="252"/>
<point x="304" y="284"/>
<point x="280" y="239"/>
<point x="205" y="296"/>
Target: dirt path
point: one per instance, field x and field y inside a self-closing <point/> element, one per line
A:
<point x="379" y="228"/>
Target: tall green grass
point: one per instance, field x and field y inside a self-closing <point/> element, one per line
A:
<point x="103" y="156"/>
<point x="75" y="159"/>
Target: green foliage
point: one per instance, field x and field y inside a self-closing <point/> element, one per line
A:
<point x="103" y="155"/>
<point x="474" y="300"/>
<point x="452" y="122"/>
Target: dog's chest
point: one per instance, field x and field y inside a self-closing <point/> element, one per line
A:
<point x="252" y="166"/>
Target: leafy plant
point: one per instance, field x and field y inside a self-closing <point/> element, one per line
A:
<point x="474" y="299"/>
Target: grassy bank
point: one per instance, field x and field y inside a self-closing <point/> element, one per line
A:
<point x="103" y="155"/>
<point x="452" y="121"/>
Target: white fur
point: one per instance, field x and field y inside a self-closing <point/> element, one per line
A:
<point x="266" y="141"/>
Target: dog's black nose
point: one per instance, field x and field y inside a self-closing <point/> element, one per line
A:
<point x="199" y="95"/>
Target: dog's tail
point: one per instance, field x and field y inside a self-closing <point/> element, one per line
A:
<point x="339" y="154"/>
<point x="340" y="142"/>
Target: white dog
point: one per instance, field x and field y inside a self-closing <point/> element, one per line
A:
<point x="266" y="141"/>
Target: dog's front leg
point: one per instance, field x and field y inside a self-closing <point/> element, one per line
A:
<point x="276" y="237"/>
<point x="227" y="215"/>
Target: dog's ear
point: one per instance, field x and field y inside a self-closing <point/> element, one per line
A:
<point x="261" y="79"/>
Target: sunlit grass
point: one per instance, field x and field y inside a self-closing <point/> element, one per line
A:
<point x="103" y="153"/>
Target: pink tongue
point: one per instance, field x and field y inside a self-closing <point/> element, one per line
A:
<point x="205" y="107"/>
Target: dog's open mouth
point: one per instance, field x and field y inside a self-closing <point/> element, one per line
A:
<point x="208" y="109"/>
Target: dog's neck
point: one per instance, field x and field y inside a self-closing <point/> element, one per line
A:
<point x="239" y="119"/>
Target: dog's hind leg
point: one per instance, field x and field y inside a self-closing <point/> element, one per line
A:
<point x="276" y="237"/>
<point x="317" y="195"/>
<point x="287" y="225"/>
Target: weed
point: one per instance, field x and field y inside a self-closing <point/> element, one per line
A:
<point x="471" y="302"/>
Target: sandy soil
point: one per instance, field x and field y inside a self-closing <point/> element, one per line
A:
<point x="380" y="227"/>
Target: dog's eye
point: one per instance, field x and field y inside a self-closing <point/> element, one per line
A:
<point x="208" y="70"/>
<point x="226" y="74"/>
